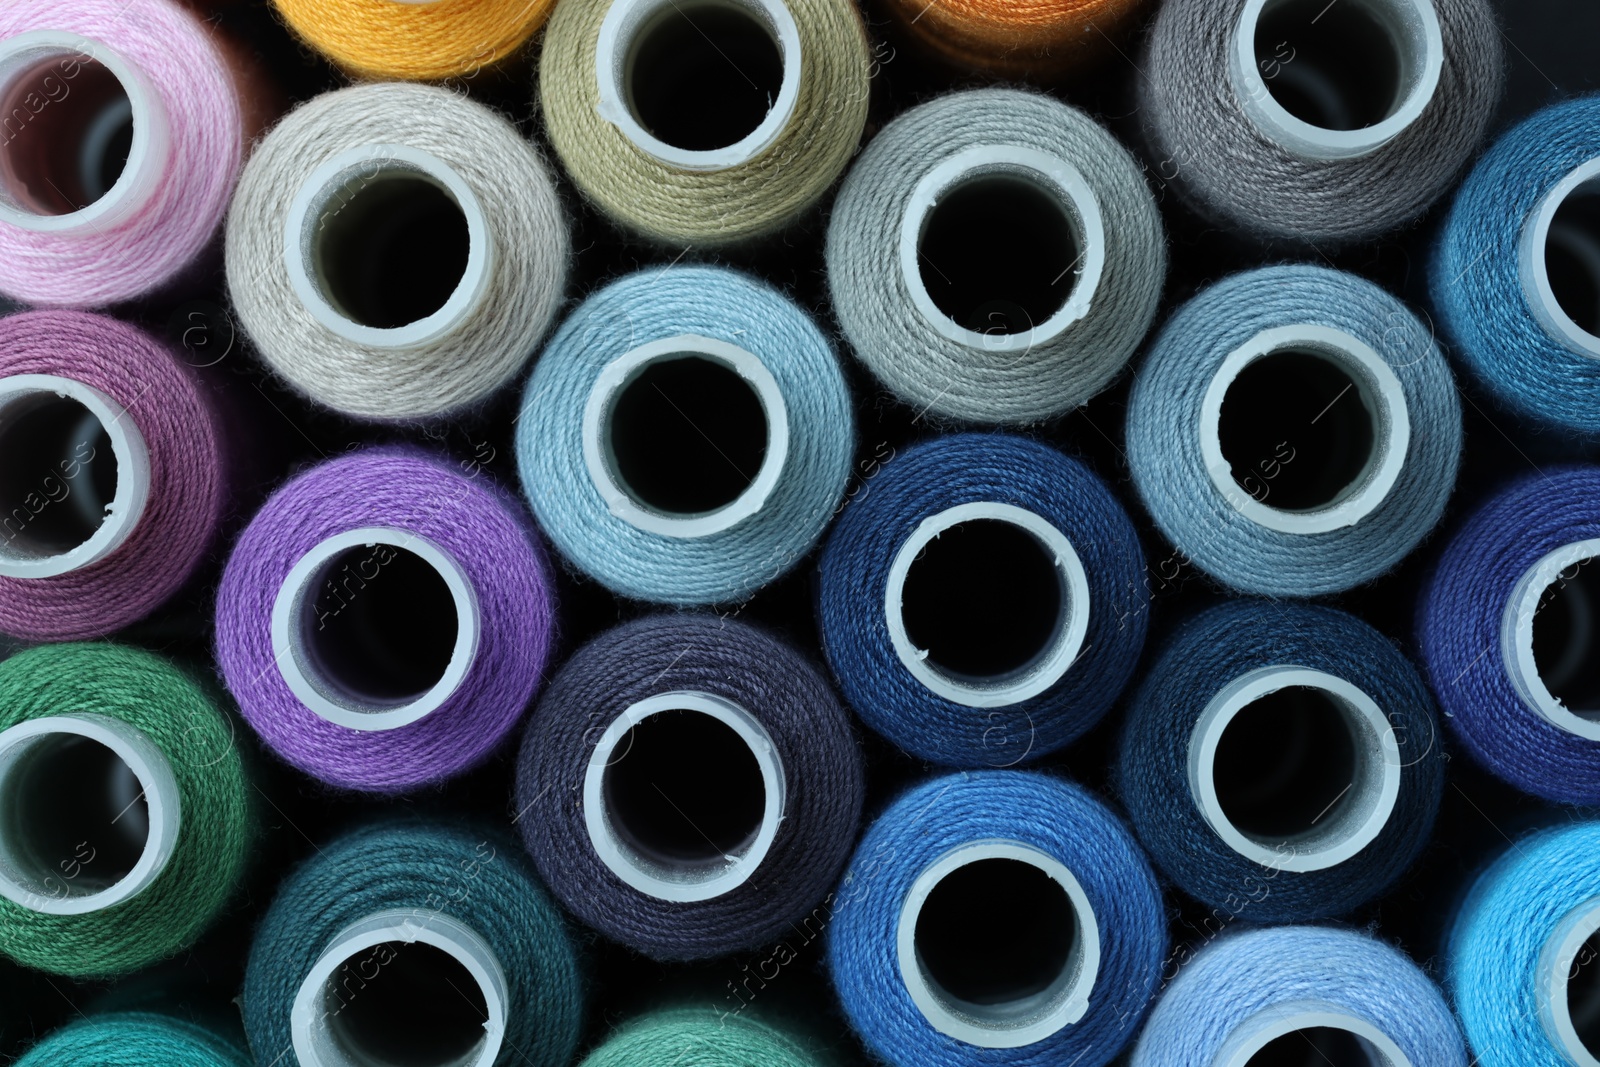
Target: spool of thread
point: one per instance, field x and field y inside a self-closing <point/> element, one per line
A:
<point x="409" y="944"/>
<point x="384" y="620"/>
<point x="127" y="817"/>
<point x="1300" y="994"/>
<point x="115" y="481"/>
<point x="1291" y="120"/>
<point x="1507" y="633"/>
<point x="1294" y="431"/>
<point x="982" y="601"/>
<point x="1281" y="762"/>
<point x="689" y="786"/>
<point x="415" y="40"/>
<point x="1042" y="40"/>
<point x="134" y="1038"/>
<point x="716" y="125"/>
<point x="1515" y="276"/>
<point x="125" y="132"/>
<point x="996" y="917"/>
<point x="995" y="256"/>
<point x="396" y="251"/>
<point x="1521" y="966"/>
<point x="686" y="436"/>
<point x="705" y="1039"/>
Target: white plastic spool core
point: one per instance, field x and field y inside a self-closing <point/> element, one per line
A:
<point x="1345" y="824"/>
<point x="335" y="575"/>
<point x="1568" y="573"/>
<point x="1355" y="1042"/>
<point x="71" y="817"/>
<point x="993" y="172"/>
<point x="341" y="232"/>
<point x="1000" y="1021"/>
<point x="600" y="428"/>
<point x="1566" y="980"/>
<point x="69" y="102"/>
<point x="689" y="732"/>
<point x="1058" y="652"/>
<point x="633" y="30"/>
<point x="1577" y="242"/>
<point x="359" y="1004"/>
<point x="55" y="515"/>
<point x="1374" y="385"/>
<point x="1326" y="55"/>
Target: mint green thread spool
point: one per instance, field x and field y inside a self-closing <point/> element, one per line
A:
<point x="702" y="1037"/>
<point x="124" y="810"/>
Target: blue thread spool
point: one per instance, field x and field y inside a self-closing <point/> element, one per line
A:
<point x="685" y="436"/>
<point x="1515" y="276"/>
<point x="982" y="600"/>
<point x="1294" y="431"/>
<point x="996" y="917"/>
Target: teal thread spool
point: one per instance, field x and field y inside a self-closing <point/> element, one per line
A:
<point x="134" y="1039"/>
<point x="124" y="811"/>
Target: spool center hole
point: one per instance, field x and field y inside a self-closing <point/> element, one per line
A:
<point x="703" y="75"/>
<point x="1338" y="66"/>
<point x="683" y="790"/>
<point x="1564" y="638"/>
<point x="981" y="963"/>
<point x="1583" y="994"/>
<point x="1296" y="431"/>
<point x="984" y="599"/>
<point x="1572" y="256"/>
<point x="997" y="254"/>
<point x="380" y="625"/>
<point x="687" y="435"/>
<point x="406" y="1004"/>
<point x="73" y="818"/>
<point x="68" y="132"/>
<point x="57" y="475"/>
<point x="391" y="247"/>
<point x="1318" y="1046"/>
<point x="1285" y="766"/>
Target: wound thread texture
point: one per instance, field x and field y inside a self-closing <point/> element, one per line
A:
<point x="475" y="524"/>
<point x="494" y="335"/>
<point x="1476" y="282"/>
<point x="1460" y="616"/>
<point x="1038" y="39"/>
<point x="1165" y="424"/>
<point x="951" y="379"/>
<point x="853" y="575"/>
<point x="1289" y="968"/>
<point x="1493" y="965"/>
<point x="728" y="205"/>
<point x="1232" y="172"/>
<point x="134" y="1039"/>
<point x="729" y="565"/>
<point x="433" y="869"/>
<point x="181" y="719"/>
<point x="811" y="734"/>
<point x="96" y="265"/>
<point x="1207" y="653"/>
<point x="1055" y="817"/>
<point x="188" y="493"/>
<point x="384" y="40"/>
<point x="692" y="1037"/>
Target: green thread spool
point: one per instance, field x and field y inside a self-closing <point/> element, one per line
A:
<point x="697" y="1037"/>
<point x="134" y="1039"/>
<point x="124" y="814"/>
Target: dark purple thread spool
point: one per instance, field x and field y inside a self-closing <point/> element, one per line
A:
<point x="689" y="786"/>
<point x="385" y="619"/>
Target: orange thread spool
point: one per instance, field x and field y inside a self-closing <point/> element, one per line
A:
<point x="415" y="41"/>
<point x="1038" y="40"/>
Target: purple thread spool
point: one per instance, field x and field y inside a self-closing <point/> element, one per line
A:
<point x="113" y="479"/>
<point x="384" y="620"/>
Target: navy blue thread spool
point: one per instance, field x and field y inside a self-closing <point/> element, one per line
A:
<point x="1281" y="762"/>
<point x="982" y="600"/>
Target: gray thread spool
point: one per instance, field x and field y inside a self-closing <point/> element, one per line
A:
<point x="1298" y="120"/>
